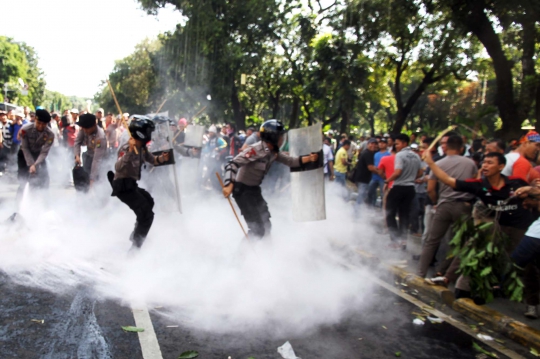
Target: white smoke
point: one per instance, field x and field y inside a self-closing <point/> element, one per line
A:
<point x="196" y="266"/>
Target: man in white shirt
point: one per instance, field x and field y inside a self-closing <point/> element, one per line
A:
<point x="328" y="160"/>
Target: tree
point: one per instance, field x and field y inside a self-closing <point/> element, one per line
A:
<point x="519" y="22"/>
<point x="19" y="61"/>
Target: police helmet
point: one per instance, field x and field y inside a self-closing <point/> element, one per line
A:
<point x="141" y="128"/>
<point x="271" y="131"/>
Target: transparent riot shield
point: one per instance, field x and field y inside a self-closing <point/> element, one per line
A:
<point x="307" y="186"/>
<point x="194" y="136"/>
<point x="163" y="179"/>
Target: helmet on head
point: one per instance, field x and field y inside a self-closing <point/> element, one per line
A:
<point x="141" y="128"/>
<point x="271" y="131"/>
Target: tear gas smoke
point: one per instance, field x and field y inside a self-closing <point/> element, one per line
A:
<point x="194" y="265"/>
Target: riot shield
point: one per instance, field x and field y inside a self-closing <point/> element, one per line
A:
<point x="164" y="179"/>
<point x="194" y="136"/>
<point x="307" y="186"/>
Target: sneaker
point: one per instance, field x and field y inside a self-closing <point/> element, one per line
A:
<point x="437" y="281"/>
<point x="531" y="312"/>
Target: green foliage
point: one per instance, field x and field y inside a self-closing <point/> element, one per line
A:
<point x="484" y="259"/>
<point x="18" y="60"/>
<point x="189" y="355"/>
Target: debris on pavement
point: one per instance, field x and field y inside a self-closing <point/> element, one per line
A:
<point x="484" y="337"/>
<point x="132" y="329"/>
<point x="286" y="351"/>
<point x="190" y="354"/>
<point x="40" y="321"/>
<point x="417" y="321"/>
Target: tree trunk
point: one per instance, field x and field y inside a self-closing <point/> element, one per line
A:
<point x="275" y="104"/>
<point x="344" y="124"/>
<point x="529" y="79"/>
<point x="238" y="111"/>
<point x="293" y="123"/>
<point x="473" y="16"/>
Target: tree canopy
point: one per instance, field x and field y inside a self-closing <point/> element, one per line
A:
<point x="356" y="66"/>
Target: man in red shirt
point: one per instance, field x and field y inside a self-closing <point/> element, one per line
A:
<point x="385" y="170"/>
<point x="518" y="161"/>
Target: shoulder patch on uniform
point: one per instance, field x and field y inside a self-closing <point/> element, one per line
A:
<point x="252" y="152"/>
<point x="98" y="143"/>
<point x="23" y="133"/>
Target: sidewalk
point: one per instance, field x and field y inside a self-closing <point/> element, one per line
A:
<point x="501" y="315"/>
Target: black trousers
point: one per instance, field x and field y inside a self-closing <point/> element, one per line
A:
<point x="140" y="202"/>
<point x="399" y="202"/>
<point x="254" y="209"/>
<point x="38" y="180"/>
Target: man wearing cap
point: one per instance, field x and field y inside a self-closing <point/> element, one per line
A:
<point x="99" y="117"/>
<point x="36" y="141"/>
<point x="93" y="137"/>
<point x="213" y="154"/>
<point x="376" y="180"/>
<point x="74" y="114"/>
<point x="18" y="123"/>
<point x="517" y="161"/>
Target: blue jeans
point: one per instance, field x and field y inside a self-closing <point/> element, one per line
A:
<point x="526" y="257"/>
<point x="372" y="191"/>
<point x="341" y="179"/>
<point x="527" y="251"/>
<point x="362" y="196"/>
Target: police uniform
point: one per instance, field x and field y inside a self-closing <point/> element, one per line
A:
<point x="35" y="146"/>
<point x="247" y="171"/>
<point x="125" y="187"/>
<point x="96" y="150"/>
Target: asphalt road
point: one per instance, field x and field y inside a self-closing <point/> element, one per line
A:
<point x="79" y="325"/>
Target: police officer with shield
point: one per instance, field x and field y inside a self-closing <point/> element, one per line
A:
<point x="131" y="157"/>
<point x="245" y="172"/>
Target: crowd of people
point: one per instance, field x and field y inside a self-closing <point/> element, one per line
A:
<point x="425" y="187"/>
<point x="420" y="187"/>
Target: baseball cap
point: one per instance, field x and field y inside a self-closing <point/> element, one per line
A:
<point x="414" y="146"/>
<point x="100" y="110"/>
<point x="372" y="140"/>
<point x="74" y="110"/>
<point x="531" y="136"/>
<point x="384" y="139"/>
<point x="18" y="112"/>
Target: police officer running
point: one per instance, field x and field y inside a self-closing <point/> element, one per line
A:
<point x="128" y="172"/>
<point x="93" y="137"/>
<point x="36" y="141"/>
<point x="244" y="175"/>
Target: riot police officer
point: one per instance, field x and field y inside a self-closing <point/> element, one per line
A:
<point x="244" y="175"/>
<point x="36" y="141"/>
<point x="93" y="137"/>
<point x="131" y="157"/>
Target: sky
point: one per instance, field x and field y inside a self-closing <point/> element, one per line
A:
<point x="77" y="41"/>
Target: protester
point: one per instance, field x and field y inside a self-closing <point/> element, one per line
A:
<point x="407" y="169"/>
<point x="341" y="164"/>
<point x="420" y="198"/>
<point x="518" y="161"/>
<point x="5" y="142"/>
<point x="328" y="162"/>
<point x="497" y="192"/>
<point x="377" y="182"/>
<point x="451" y="205"/>
<point x="363" y="170"/>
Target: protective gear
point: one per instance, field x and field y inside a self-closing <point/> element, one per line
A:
<point x="307" y="183"/>
<point x="43" y="116"/>
<point x="212" y="129"/>
<point x="141" y="128"/>
<point x="271" y="131"/>
<point x="182" y="122"/>
<point x="161" y="119"/>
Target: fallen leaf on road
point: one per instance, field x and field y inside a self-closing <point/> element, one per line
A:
<point x="535" y="352"/>
<point x="190" y="354"/>
<point x="385" y="327"/>
<point x="40" y="321"/>
<point x="129" y="328"/>
<point x="482" y="350"/>
<point x="398" y="354"/>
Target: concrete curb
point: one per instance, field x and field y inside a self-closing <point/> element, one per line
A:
<point x="501" y="323"/>
<point x="495" y="320"/>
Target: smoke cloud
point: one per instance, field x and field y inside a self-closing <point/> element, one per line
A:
<point x="196" y="266"/>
